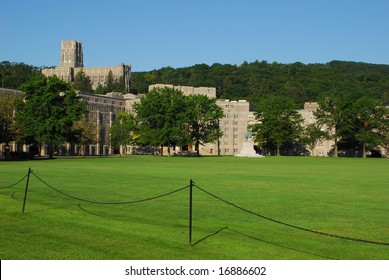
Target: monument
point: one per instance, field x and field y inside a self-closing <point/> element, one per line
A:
<point x="248" y="147"/>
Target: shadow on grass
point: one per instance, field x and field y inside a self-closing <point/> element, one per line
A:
<point x="210" y="235"/>
<point x="123" y="218"/>
<point x="48" y="208"/>
<point x="263" y="241"/>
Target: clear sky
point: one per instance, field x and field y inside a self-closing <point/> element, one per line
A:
<point x="150" y="34"/>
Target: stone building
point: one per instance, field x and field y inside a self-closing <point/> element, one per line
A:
<point x="323" y="147"/>
<point x="188" y="90"/>
<point x="233" y="125"/>
<point x="72" y="62"/>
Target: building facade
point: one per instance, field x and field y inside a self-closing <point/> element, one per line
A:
<point x="237" y="118"/>
<point x="323" y="147"/>
<point x="210" y="92"/>
<point x="72" y="62"/>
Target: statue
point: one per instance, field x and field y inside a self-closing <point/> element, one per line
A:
<point x="248" y="135"/>
<point x="248" y="146"/>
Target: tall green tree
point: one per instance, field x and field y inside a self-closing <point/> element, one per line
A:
<point x="82" y="82"/>
<point x="202" y="116"/>
<point x="122" y="131"/>
<point x="279" y="123"/>
<point x="85" y="133"/>
<point x="312" y="134"/>
<point x="159" y="116"/>
<point x="99" y="89"/>
<point x="13" y="75"/>
<point x="8" y="127"/>
<point x="48" y="112"/>
<point x="109" y="83"/>
<point x="336" y="116"/>
<point x="119" y="85"/>
<point x="371" y="123"/>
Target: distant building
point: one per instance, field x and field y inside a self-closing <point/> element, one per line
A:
<point x="233" y="125"/>
<point x="72" y="62"/>
<point x="188" y="90"/>
<point x="323" y="147"/>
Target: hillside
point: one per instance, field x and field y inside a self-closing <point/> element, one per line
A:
<point x="256" y="80"/>
<point x="252" y="81"/>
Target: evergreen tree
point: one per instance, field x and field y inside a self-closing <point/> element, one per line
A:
<point x="82" y="82"/>
<point x="110" y="83"/>
<point x="119" y="85"/>
<point x="99" y="89"/>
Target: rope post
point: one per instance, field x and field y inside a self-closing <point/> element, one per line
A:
<point x="190" y="210"/>
<point x="25" y="192"/>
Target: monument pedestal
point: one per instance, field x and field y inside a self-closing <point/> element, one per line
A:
<point x="248" y="150"/>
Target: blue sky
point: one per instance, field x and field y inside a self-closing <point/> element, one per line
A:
<point x="153" y="34"/>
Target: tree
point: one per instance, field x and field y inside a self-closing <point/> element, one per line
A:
<point x="99" y="89"/>
<point x="371" y="123"/>
<point x="159" y="116"/>
<point x="335" y="115"/>
<point x="8" y="127"/>
<point x="312" y="134"/>
<point x="85" y="132"/>
<point x="202" y="117"/>
<point x="13" y="74"/>
<point x="168" y="118"/>
<point x="119" y="85"/>
<point x="122" y="131"/>
<point x="279" y="123"/>
<point x="82" y="82"/>
<point x="49" y="111"/>
<point x="110" y="82"/>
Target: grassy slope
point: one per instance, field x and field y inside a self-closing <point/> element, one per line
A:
<point x="342" y="196"/>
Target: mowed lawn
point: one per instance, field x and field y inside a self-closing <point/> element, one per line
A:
<point x="346" y="197"/>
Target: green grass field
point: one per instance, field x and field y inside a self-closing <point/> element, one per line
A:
<point x="346" y="197"/>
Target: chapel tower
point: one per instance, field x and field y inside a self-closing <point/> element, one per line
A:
<point x="71" y="54"/>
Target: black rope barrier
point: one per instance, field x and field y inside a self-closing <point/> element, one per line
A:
<point x="290" y="225"/>
<point x="14" y="184"/>
<point x="102" y="202"/>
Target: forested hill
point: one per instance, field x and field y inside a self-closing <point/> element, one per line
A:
<point x="253" y="81"/>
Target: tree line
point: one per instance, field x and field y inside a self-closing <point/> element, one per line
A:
<point x="252" y="81"/>
<point x="257" y="80"/>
